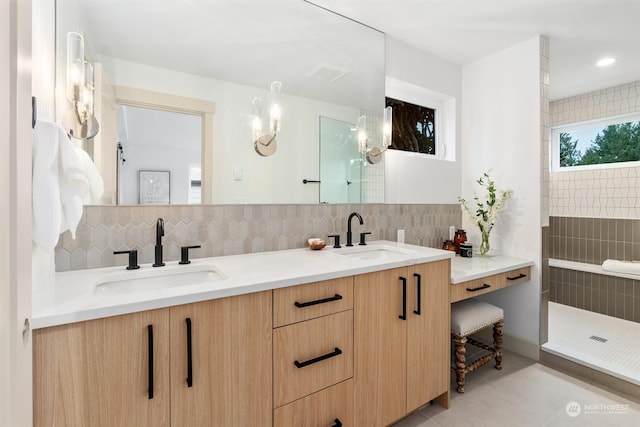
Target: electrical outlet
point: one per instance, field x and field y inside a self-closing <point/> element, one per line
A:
<point x="400" y="236"/>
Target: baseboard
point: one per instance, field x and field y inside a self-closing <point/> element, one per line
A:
<point x="603" y="380"/>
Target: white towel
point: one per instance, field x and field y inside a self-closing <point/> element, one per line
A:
<point x="96" y="184"/>
<point x="628" y="267"/>
<point x="59" y="184"/>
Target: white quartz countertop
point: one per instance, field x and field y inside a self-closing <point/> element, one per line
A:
<point x="465" y="269"/>
<point x="76" y="297"/>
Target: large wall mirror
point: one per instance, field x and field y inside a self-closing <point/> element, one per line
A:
<point x="222" y="54"/>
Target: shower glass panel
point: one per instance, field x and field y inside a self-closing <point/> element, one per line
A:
<point x="341" y="164"/>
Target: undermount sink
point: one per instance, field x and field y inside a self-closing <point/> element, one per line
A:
<point x="374" y="252"/>
<point x="151" y="279"/>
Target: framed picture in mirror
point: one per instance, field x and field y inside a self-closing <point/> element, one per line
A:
<point x="154" y="187"/>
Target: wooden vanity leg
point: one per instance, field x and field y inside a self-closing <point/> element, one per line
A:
<point x="460" y="362"/>
<point x="497" y="342"/>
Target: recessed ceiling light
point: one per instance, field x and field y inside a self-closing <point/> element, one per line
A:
<point x="606" y="61"/>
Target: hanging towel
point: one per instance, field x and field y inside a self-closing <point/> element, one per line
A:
<point x="96" y="184"/>
<point x="59" y="184"/>
<point x="628" y="267"/>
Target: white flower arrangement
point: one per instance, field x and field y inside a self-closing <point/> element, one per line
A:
<point x="486" y="212"/>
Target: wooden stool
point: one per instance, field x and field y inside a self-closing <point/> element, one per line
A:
<point x="469" y="316"/>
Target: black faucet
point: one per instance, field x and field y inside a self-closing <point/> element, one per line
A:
<point x="349" y="234"/>
<point x="159" y="233"/>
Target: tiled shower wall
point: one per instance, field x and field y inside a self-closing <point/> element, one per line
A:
<point x="591" y="241"/>
<point x="237" y="229"/>
<point x="608" y="193"/>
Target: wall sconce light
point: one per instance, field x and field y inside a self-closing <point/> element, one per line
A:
<point x="265" y="143"/>
<point x="79" y="122"/>
<point x="374" y="154"/>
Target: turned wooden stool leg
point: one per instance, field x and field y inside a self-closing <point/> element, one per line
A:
<point x="461" y="361"/>
<point x="497" y="342"/>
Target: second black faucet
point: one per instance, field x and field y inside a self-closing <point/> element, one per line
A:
<point x="159" y="233"/>
<point x="349" y="233"/>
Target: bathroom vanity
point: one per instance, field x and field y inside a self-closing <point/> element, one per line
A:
<point x="285" y="338"/>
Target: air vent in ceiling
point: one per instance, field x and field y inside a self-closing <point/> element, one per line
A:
<point x="327" y="73"/>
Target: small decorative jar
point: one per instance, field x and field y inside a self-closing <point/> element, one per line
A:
<point x="466" y="250"/>
<point x="460" y="237"/>
<point x="448" y="245"/>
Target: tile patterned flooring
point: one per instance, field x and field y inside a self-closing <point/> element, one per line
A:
<point x="605" y="343"/>
<point x="526" y="393"/>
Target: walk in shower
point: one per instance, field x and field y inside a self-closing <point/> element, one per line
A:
<point x="594" y="315"/>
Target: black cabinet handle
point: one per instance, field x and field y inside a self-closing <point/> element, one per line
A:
<point x="336" y="297"/>
<point x="334" y="353"/>
<point x="419" y="285"/>
<point x="479" y="288"/>
<point x="189" y="355"/>
<point x="150" y="335"/>
<point x="403" y="316"/>
<point x="519" y="276"/>
<point x="337" y="423"/>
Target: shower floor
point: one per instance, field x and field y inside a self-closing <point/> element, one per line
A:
<point x="604" y="343"/>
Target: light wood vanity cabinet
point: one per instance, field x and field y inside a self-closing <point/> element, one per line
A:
<point x="313" y="354"/>
<point x="401" y="345"/>
<point x="231" y="356"/>
<point x="96" y="373"/>
<point x="483" y="285"/>
<point x="330" y="353"/>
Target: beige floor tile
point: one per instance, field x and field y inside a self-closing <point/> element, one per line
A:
<point x="525" y="393"/>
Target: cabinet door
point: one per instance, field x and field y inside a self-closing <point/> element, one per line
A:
<point x="96" y="373"/>
<point x="380" y="343"/>
<point x="230" y="362"/>
<point x="428" y="342"/>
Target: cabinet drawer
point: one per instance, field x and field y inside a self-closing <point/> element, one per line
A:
<point x="304" y="302"/>
<point x="488" y="284"/>
<point x="328" y="407"/>
<point x="312" y="355"/>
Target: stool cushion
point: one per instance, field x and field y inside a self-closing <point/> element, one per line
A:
<point x="470" y="315"/>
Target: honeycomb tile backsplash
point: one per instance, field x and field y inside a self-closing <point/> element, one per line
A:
<point x="238" y="229"/>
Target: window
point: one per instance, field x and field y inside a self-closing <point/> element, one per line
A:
<point x="597" y="144"/>
<point x="414" y="127"/>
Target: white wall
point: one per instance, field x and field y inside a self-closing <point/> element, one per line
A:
<point x="501" y="112"/>
<point x="15" y="213"/>
<point x="413" y="178"/>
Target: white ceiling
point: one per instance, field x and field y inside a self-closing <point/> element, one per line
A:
<point x="257" y="41"/>
<point x="463" y="31"/>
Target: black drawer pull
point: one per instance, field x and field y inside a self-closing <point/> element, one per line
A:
<point x="189" y="355"/>
<point x="485" y="286"/>
<point x="337" y="423"/>
<point x="334" y="353"/>
<point x="336" y="297"/>
<point x="419" y="283"/>
<point x="403" y="316"/>
<point x="150" y="336"/>
<point x="519" y="276"/>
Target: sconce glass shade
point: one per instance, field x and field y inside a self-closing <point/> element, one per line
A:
<point x="361" y="127"/>
<point x="256" y="121"/>
<point x="387" y="127"/>
<point x="75" y="66"/>
<point x="87" y="92"/>
<point x="275" y="114"/>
